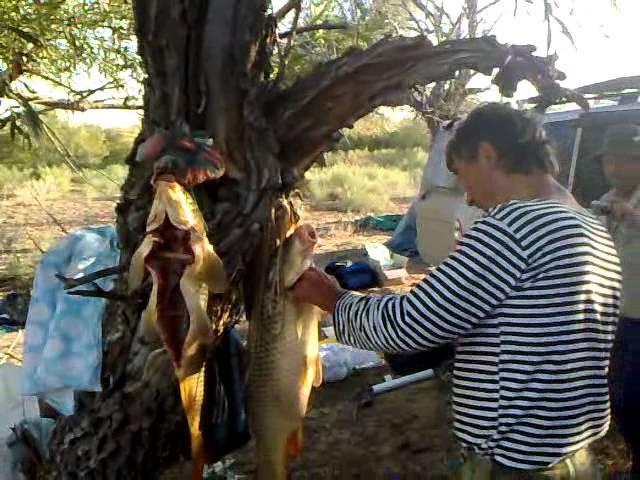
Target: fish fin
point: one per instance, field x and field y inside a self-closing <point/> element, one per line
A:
<point x="136" y="265"/>
<point x="317" y="380"/>
<point x="213" y="271"/>
<point x="197" y="459"/>
<point x="192" y="395"/>
<point x="149" y="317"/>
<point x="294" y="443"/>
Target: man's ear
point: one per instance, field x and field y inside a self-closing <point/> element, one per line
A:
<point x="488" y="156"/>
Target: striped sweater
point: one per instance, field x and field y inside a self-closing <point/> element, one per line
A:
<point x="531" y="298"/>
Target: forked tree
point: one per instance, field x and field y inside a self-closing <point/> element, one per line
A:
<point x="212" y="66"/>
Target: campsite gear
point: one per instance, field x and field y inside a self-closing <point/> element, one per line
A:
<point x="403" y="240"/>
<point x="435" y="173"/>
<point x="339" y="361"/>
<point x="284" y="363"/>
<point x="63" y="335"/>
<point x="442" y="217"/>
<point x="352" y="276"/>
<point x="389" y="267"/>
<point x="367" y="395"/>
<point x="28" y="446"/>
<point x="407" y="363"/>
<point x="14" y="407"/>
<point x="579" y="466"/>
<point x="13" y="311"/>
<point x="386" y="223"/>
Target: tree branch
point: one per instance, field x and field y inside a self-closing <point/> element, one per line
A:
<point x="286" y="8"/>
<point x="82" y="105"/>
<point x="70" y="283"/>
<point x="338" y="93"/>
<point x="487" y="6"/>
<point x="313" y="28"/>
<point x="284" y="54"/>
<point x="422" y="30"/>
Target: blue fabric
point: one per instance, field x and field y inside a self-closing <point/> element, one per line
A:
<point x="403" y="240"/>
<point x="353" y="276"/>
<point x="625" y="384"/>
<point x="63" y="336"/>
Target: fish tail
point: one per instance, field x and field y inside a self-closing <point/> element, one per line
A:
<point x="192" y="394"/>
<point x="294" y="443"/>
<point x="272" y="457"/>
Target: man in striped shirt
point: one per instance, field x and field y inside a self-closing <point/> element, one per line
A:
<point x="530" y="296"/>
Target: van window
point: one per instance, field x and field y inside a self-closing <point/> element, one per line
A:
<point x="563" y="135"/>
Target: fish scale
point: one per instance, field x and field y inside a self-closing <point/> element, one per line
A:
<point x="284" y="364"/>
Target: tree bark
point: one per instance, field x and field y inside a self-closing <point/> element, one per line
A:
<point x="209" y="68"/>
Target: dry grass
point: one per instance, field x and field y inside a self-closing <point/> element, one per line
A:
<point x="365" y="182"/>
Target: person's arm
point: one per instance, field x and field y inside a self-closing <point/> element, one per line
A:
<point x="463" y="290"/>
<point x="627" y="213"/>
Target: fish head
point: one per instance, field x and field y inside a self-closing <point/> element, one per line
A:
<point x="298" y="253"/>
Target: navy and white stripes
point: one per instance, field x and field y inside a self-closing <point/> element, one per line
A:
<point x="531" y="298"/>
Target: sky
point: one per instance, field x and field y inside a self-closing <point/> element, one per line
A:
<point x="606" y="39"/>
<point x="607" y="44"/>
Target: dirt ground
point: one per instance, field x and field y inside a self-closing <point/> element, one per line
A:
<point x="404" y="434"/>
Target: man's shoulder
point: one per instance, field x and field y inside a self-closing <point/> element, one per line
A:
<point x="517" y="210"/>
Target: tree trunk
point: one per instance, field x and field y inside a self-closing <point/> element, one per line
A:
<point x="209" y="67"/>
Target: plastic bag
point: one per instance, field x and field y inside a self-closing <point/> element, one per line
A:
<point x="339" y="361"/>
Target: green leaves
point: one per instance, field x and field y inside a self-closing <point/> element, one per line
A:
<point x="68" y="42"/>
<point x="61" y="53"/>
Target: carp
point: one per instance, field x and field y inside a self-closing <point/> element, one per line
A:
<point x="184" y="268"/>
<point x="284" y="363"/>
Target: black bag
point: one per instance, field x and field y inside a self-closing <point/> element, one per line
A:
<point x="223" y="421"/>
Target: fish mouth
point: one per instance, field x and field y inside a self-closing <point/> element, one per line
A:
<point x="307" y="236"/>
<point x="306" y="265"/>
<point x="302" y="243"/>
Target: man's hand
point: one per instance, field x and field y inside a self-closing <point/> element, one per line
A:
<point x="317" y="288"/>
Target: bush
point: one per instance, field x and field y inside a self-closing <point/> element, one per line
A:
<point x="45" y="183"/>
<point x="376" y="132"/>
<point x="11" y="178"/>
<point x="105" y="181"/>
<point x="353" y="187"/>
<point x="410" y="160"/>
<point x="91" y="146"/>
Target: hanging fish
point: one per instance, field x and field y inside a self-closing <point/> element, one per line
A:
<point x="284" y="364"/>
<point x="184" y="269"/>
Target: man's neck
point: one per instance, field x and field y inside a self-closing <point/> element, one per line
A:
<point x="534" y="187"/>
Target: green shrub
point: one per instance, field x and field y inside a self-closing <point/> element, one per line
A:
<point x="45" y="183"/>
<point x="12" y="178"/>
<point x="410" y="160"/>
<point x="104" y="181"/>
<point x="376" y="132"/>
<point x="359" y="187"/>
